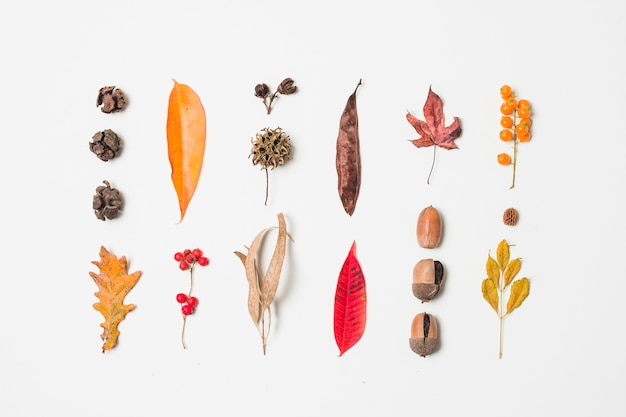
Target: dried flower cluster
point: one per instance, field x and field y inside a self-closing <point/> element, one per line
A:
<point x="107" y="202"/>
<point x="106" y="145"/>
<point x="111" y="99"/>
<point x="271" y="148"/>
<point x="262" y="91"/>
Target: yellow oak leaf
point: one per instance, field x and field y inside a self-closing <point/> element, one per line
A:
<point x="519" y="292"/>
<point x="114" y="284"/>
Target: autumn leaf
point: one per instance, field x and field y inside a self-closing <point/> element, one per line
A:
<point x="511" y="271"/>
<point x="433" y="131"/>
<point x="350" y="303"/>
<point x="186" y="137"/>
<point x="490" y="293"/>
<point x="493" y="271"/>
<point x="503" y="254"/>
<point x="261" y="291"/>
<point x="114" y="284"/>
<point x="519" y="292"/>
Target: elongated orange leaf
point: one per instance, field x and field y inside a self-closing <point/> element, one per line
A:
<point x="186" y="138"/>
<point x="490" y="293"/>
<point x="114" y="284"/>
<point x="350" y="303"/>
<point x="519" y="291"/>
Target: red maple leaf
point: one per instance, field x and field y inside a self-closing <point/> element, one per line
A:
<point x="433" y="131"/>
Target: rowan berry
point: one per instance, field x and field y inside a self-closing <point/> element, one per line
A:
<point x="506" y="135"/>
<point x="523" y="112"/>
<point x="506" y="109"/>
<point x="203" y="261"/>
<point x="183" y="266"/>
<point x="181" y="298"/>
<point x="506" y="122"/>
<point x="178" y="256"/>
<point x="197" y="253"/>
<point x="504" y="159"/>
<point x="190" y="259"/>
<point x="192" y="301"/>
<point x="186" y="309"/>
<point x="505" y="91"/>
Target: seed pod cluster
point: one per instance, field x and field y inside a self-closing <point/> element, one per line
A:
<point x="106" y="145"/>
<point x="107" y="202"/>
<point x="424" y="334"/>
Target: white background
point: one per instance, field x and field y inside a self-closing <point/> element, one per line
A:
<point x="564" y="347"/>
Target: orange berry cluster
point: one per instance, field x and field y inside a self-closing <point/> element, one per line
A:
<point x="515" y="121"/>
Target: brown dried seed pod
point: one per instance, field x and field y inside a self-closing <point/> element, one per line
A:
<point x="107" y="202"/>
<point x="510" y="216"/>
<point x="429" y="228"/>
<point x="424" y="336"/>
<point x="427" y="279"/>
<point x="106" y="145"/>
<point x="287" y="86"/>
<point x="111" y="99"/>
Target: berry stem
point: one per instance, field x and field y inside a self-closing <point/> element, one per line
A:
<point x="267" y="185"/>
<point x="515" y="141"/>
<point x="184" y="316"/>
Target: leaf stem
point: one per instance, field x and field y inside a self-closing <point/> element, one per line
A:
<point x="432" y="165"/>
<point x="500" y="310"/>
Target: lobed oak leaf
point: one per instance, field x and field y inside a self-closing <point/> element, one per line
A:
<point x="114" y="283"/>
<point x="433" y="131"/>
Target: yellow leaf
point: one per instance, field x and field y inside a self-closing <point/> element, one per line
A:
<point x="503" y="254"/>
<point x="519" y="292"/>
<point x="114" y="284"/>
<point x="493" y="271"/>
<point x="490" y="293"/>
<point x="511" y="271"/>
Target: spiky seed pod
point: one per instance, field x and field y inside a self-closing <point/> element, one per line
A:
<point x="271" y="148"/>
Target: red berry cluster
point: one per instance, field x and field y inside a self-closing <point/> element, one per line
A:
<point x="188" y="258"/>
<point x="188" y="304"/>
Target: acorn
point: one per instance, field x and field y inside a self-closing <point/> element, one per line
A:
<point x="429" y="228"/>
<point x="427" y="279"/>
<point x="423" y="339"/>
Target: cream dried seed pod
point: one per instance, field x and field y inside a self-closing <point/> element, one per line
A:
<point x="427" y="279"/>
<point x="423" y="339"/>
<point x="429" y="228"/>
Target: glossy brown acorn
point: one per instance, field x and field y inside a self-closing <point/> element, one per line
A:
<point x="423" y="339"/>
<point x="427" y="279"/>
<point x="429" y="228"/>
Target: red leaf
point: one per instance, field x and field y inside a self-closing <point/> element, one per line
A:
<point x="433" y="131"/>
<point x="350" y="303"/>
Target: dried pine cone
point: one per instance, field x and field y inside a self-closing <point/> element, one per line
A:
<point x="271" y="148"/>
<point x="106" y="145"/>
<point x="510" y="216"/>
<point x="111" y="99"/>
<point x="107" y="202"/>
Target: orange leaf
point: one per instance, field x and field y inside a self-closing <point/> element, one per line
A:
<point x="186" y="137"/>
<point x="114" y="284"/>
